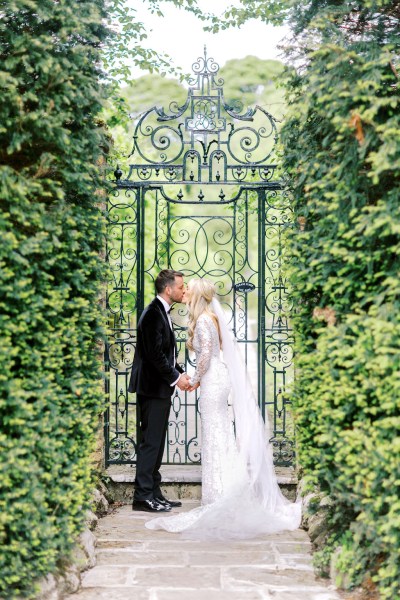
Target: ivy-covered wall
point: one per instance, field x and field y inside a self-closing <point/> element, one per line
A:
<point x="342" y="151"/>
<point x="50" y="272"/>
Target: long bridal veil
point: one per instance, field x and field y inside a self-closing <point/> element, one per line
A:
<point x="252" y="433"/>
<point x="251" y="503"/>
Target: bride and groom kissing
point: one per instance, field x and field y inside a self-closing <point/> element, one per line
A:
<point x="240" y="495"/>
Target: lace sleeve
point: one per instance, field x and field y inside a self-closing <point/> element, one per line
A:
<point x="203" y="344"/>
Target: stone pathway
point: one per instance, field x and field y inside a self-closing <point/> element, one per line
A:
<point x="134" y="563"/>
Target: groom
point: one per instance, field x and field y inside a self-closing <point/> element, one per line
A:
<point x="155" y="373"/>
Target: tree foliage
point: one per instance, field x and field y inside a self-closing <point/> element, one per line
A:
<point x="128" y="48"/>
<point x="254" y="81"/>
<point x="50" y="271"/>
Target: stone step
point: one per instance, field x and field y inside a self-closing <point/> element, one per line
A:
<point x="181" y="482"/>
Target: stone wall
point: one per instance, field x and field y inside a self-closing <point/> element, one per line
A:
<point x="67" y="577"/>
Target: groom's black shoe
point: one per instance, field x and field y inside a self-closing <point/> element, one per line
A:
<point x="165" y="502"/>
<point x="150" y="506"/>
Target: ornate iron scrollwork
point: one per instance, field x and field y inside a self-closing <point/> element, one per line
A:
<point x="202" y="197"/>
<point x="205" y="126"/>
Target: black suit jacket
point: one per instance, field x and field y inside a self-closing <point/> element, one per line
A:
<point x="154" y="369"/>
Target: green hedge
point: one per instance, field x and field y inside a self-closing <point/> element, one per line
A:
<point x="51" y="235"/>
<point x="342" y="151"/>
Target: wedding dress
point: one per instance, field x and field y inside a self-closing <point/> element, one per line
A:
<point x="240" y="494"/>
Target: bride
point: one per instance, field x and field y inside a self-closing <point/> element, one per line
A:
<point x="240" y="494"/>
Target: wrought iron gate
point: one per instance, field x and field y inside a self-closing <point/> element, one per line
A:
<point x="202" y="197"/>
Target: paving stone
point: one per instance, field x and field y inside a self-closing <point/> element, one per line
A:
<point x="292" y="547"/>
<point x="182" y="594"/>
<point x="134" y="545"/>
<point x="110" y="593"/>
<point x="136" y="593"/>
<point x="298" y="595"/>
<point x="128" y="533"/>
<point x="250" y="576"/>
<point x="107" y="576"/>
<point x="296" y="561"/>
<point x="238" y="558"/>
<point x="183" y="577"/>
<point x="177" y="544"/>
<point x="127" y="557"/>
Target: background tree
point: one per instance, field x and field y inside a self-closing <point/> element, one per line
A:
<point x="254" y="81"/>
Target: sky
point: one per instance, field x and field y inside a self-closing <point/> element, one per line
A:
<point x="180" y="35"/>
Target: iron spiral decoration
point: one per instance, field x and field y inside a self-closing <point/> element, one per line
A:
<point x="205" y="125"/>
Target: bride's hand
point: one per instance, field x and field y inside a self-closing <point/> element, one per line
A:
<point x="194" y="387"/>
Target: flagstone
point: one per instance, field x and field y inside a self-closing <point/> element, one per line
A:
<point x="128" y="557"/>
<point x="183" y="577"/>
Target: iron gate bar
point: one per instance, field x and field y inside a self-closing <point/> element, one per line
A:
<point x="225" y="168"/>
<point x="261" y="301"/>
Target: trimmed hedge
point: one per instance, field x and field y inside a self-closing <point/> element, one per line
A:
<point x="342" y="151"/>
<point x="50" y="272"/>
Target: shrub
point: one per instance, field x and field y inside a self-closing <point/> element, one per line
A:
<point x="342" y="151"/>
<point x="51" y="236"/>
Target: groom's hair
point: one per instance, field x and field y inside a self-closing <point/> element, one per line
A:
<point x="164" y="278"/>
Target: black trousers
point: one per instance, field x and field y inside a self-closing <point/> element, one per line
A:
<point x="154" y="415"/>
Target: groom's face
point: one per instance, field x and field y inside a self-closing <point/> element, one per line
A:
<point x="176" y="290"/>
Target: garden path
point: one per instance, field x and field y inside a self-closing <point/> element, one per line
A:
<point x="134" y="563"/>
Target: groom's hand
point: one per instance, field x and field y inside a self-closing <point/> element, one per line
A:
<point x="183" y="382"/>
<point x="194" y="387"/>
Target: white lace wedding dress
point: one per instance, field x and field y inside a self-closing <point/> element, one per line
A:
<point x="235" y="504"/>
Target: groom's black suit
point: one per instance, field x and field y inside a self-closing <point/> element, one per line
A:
<point x="154" y="370"/>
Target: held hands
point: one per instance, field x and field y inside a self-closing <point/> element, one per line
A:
<point x="184" y="384"/>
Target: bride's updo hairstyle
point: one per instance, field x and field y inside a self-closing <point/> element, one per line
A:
<point x="202" y="291"/>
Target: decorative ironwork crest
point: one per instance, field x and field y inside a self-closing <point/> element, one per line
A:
<point x="206" y="140"/>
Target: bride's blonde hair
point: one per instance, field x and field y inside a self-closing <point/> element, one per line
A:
<point x="202" y="292"/>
